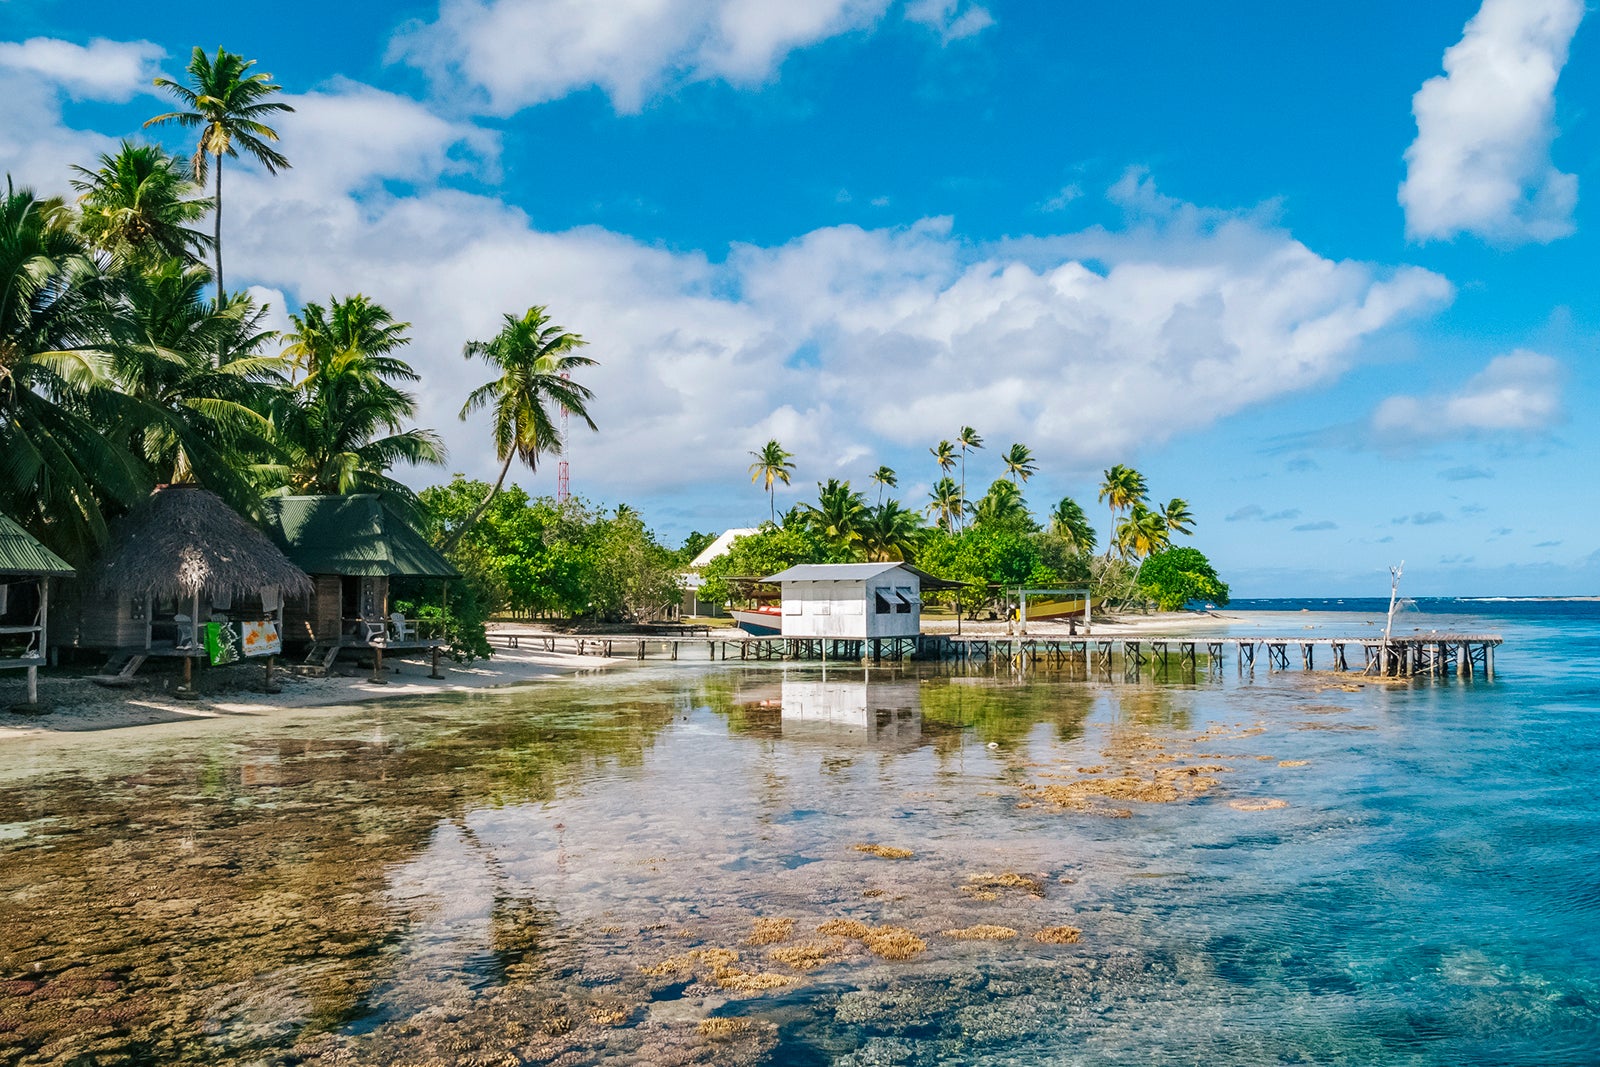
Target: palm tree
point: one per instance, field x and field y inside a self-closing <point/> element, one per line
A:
<point x="838" y="516"/>
<point x="1002" y="505"/>
<point x="139" y="204"/>
<point x="535" y="360"/>
<point x="772" y="465"/>
<point x="341" y="428"/>
<point x="945" y="502"/>
<point x="885" y="477"/>
<point x="890" y="533"/>
<point x="202" y="413"/>
<point x="227" y="104"/>
<point x="1069" y="522"/>
<point x="1176" y="514"/>
<point x="1121" y="488"/>
<point x="1019" y="463"/>
<point x="967" y="438"/>
<point x="1141" y="533"/>
<point x="944" y="453"/>
<point x="58" y="466"/>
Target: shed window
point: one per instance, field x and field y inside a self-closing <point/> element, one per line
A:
<point x="793" y="605"/>
<point x="904" y="598"/>
<point x="880" y="601"/>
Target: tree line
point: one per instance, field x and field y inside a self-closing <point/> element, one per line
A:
<point x="992" y="542"/>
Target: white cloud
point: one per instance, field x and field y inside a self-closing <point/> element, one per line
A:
<point x="1515" y="393"/>
<point x="953" y="20"/>
<point x="37" y="75"/>
<point x="1481" y="160"/>
<point x="842" y="342"/>
<point x="508" y="54"/>
<point x="100" y="70"/>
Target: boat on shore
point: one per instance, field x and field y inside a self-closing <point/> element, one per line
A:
<point x="764" y="620"/>
<point x="1059" y="609"/>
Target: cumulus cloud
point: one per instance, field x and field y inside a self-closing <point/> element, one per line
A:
<point x="843" y="341"/>
<point x="1516" y="393"/>
<point x="1481" y="161"/>
<point x="1312" y="527"/>
<point x="1420" y="518"/>
<point x="38" y="75"/>
<point x="509" y="54"/>
<point x="101" y="70"/>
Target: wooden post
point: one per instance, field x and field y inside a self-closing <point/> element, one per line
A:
<point x="33" y="685"/>
<point x="267" y="680"/>
<point x="1488" y="660"/>
<point x="187" y="691"/>
<point x="377" y="666"/>
<point x="434" y="674"/>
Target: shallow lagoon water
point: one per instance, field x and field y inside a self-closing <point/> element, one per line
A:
<point x="1268" y="869"/>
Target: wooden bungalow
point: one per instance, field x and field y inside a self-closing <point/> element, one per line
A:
<point x="178" y="561"/>
<point x="352" y="546"/>
<point x="26" y="567"/>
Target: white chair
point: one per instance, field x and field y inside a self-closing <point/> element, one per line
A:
<point x="186" y="634"/>
<point x="403" y="631"/>
<point x="374" y="631"/>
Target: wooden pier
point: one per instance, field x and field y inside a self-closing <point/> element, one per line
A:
<point x="1421" y="655"/>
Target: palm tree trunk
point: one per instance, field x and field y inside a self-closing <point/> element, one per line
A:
<point x="455" y="538"/>
<point x="772" y="502"/>
<point x="963" y="500"/>
<point x="216" y="230"/>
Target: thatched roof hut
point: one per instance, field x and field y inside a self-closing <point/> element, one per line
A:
<point x="184" y="542"/>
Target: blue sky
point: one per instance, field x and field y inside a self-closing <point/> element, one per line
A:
<point x="1328" y="273"/>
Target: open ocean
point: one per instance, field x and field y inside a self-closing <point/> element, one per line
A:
<point x="633" y="867"/>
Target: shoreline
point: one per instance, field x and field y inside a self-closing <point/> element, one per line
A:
<point x="76" y="704"/>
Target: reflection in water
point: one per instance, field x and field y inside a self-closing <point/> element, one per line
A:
<point x="637" y="872"/>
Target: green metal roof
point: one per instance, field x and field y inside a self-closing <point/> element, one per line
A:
<point x="21" y="553"/>
<point x="353" y="535"/>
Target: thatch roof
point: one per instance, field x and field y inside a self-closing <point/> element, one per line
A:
<point x="356" y="535"/>
<point x="184" y="540"/>
<point x="21" y="553"/>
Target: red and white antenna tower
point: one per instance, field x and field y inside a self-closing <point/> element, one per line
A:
<point x="563" y="486"/>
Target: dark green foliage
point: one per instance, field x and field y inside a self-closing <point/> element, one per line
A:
<point x="1176" y="576"/>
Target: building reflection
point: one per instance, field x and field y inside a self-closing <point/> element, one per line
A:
<point x="839" y="708"/>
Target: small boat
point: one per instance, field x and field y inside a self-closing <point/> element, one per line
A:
<point x="765" y="620"/>
<point x="1047" y="608"/>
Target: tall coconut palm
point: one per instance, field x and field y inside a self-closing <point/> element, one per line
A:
<point x="838" y="516"/>
<point x="945" y="502"/>
<point x="944" y="454"/>
<point x="967" y="438"/>
<point x="1176" y="514"/>
<point x="203" y="414"/>
<point x="772" y="465"/>
<point x="535" y="359"/>
<point x="227" y="104"/>
<point x="1121" y="488"/>
<point x="1002" y="505"/>
<point x="341" y="428"/>
<point x="1069" y="522"/>
<point x="1019" y="463"/>
<point x="139" y="204"/>
<point x="890" y="533"/>
<point x="885" y="478"/>
<point x="1141" y="533"/>
<point x="58" y="314"/>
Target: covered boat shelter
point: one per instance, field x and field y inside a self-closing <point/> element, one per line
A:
<point x="26" y="567"/>
<point x="352" y="546"/>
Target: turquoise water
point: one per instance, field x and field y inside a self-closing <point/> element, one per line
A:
<point x="1263" y="869"/>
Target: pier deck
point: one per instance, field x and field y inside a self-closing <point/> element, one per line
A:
<point x="1431" y="654"/>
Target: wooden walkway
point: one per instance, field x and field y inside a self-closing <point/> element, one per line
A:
<point x="1463" y="655"/>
